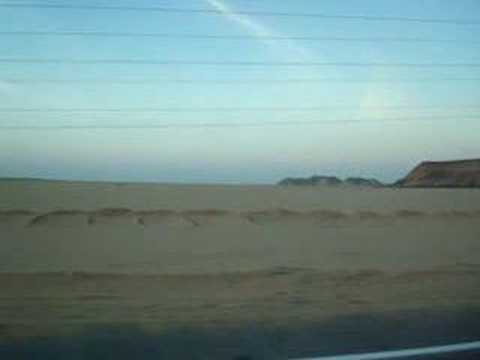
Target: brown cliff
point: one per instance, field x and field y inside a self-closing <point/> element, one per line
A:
<point x="461" y="173"/>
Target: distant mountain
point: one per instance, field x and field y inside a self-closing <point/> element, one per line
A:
<point x="312" y="181"/>
<point x="317" y="180"/>
<point x="357" y="181"/>
<point x="460" y="173"/>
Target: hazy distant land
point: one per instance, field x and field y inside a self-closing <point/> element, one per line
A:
<point x="428" y="174"/>
<point x="319" y="180"/>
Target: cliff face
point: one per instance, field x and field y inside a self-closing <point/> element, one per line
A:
<point x="462" y="173"/>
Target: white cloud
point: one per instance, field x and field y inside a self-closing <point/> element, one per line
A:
<point x="293" y="51"/>
<point x="256" y="29"/>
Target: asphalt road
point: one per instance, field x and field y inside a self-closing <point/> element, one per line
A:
<point x="364" y="333"/>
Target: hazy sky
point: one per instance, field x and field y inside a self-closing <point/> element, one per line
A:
<point x="436" y="107"/>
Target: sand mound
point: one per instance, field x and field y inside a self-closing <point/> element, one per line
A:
<point x="16" y="217"/>
<point x="328" y="215"/>
<point x="14" y="213"/>
<point x="368" y="215"/>
<point x="162" y="217"/>
<point x="60" y="218"/>
<point x="410" y="214"/>
<point x="457" y="214"/>
<point x="264" y="217"/>
<point x="218" y="217"/>
<point x="213" y="217"/>
<point x="112" y="216"/>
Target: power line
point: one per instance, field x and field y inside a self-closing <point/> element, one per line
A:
<point x="255" y="81"/>
<point x="230" y="37"/>
<point x="166" y="126"/>
<point x="228" y="63"/>
<point x="228" y="109"/>
<point x="248" y="13"/>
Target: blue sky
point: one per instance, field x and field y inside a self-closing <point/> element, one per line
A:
<point x="441" y="114"/>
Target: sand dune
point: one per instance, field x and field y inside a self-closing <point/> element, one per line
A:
<point x="162" y="217"/>
<point x="112" y="216"/>
<point x="275" y="215"/>
<point x="409" y="214"/>
<point x="16" y="217"/>
<point x="60" y="218"/>
<point x="216" y="241"/>
<point x="210" y="217"/>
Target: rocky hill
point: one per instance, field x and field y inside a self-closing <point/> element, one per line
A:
<point x="357" y="181"/>
<point x="461" y="173"/>
<point x="317" y="180"/>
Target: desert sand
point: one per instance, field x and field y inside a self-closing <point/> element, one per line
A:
<point x="75" y="255"/>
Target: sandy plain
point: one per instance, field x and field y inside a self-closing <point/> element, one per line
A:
<point x="74" y="255"/>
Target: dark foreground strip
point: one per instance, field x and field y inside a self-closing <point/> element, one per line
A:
<point x="407" y="353"/>
<point x="348" y="334"/>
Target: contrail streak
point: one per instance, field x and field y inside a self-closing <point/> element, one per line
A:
<point x="260" y="31"/>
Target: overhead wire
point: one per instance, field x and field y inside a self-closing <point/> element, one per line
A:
<point x="119" y="34"/>
<point x="163" y="9"/>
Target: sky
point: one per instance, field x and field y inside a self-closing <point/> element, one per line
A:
<point x="372" y="121"/>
